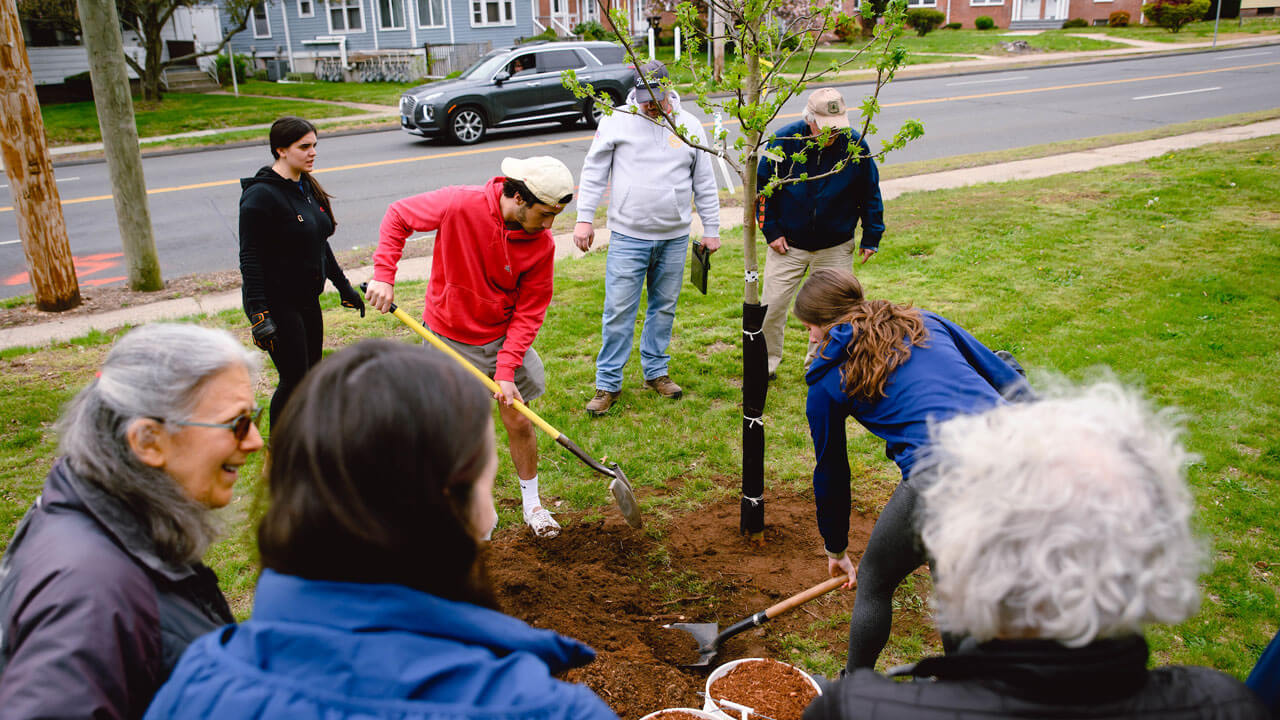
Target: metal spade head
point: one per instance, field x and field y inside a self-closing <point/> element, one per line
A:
<point x="621" y="489"/>
<point x="706" y="635"/>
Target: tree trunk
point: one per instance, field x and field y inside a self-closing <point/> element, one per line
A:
<point x="36" y="202"/>
<point x="868" y="25"/>
<point x="153" y="66"/>
<point x="755" y="382"/>
<point x="120" y="140"/>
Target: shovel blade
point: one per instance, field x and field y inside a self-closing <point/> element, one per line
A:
<point x="625" y="498"/>
<point x="705" y="635"/>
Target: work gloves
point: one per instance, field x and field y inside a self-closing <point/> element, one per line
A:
<point x="264" y="330"/>
<point x="351" y="298"/>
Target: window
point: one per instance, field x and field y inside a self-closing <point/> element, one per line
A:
<point x="431" y="13"/>
<point x="986" y="2"/>
<point x="306" y="9"/>
<point x="524" y="66"/>
<point x="557" y="60"/>
<point x="391" y="14"/>
<point x="607" y="55"/>
<point x="557" y="7"/>
<point x="493" y="12"/>
<point x="345" y="16"/>
<point x="922" y="3"/>
<point x="261" y="25"/>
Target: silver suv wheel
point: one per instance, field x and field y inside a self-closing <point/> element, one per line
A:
<point x="466" y="126"/>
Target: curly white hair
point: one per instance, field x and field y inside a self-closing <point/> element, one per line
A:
<point x="1065" y="519"/>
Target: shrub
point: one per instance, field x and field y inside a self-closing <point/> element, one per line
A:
<point x="590" y="30"/>
<point x="1172" y="15"/>
<point x="953" y="26"/>
<point x="847" y="28"/>
<point x="1118" y="18"/>
<point x="1075" y="23"/>
<point x="984" y="22"/>
<point x="260" y="74"/>
<point x="300" y="77"/>
<point x="924" y="20"/>
<point x="224" y="74"/>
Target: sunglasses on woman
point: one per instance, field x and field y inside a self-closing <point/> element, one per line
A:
<point x="238" y="427"/>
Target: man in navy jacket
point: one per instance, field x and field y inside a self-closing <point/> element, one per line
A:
<point x="810" y="224"/>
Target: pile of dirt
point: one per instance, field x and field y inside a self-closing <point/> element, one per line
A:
<point x="609" y="585"/>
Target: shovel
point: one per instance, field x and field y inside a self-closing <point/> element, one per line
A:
<point x="619" y="485"/>
<point x="710" y="638"/>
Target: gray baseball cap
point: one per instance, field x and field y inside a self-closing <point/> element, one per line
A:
<point x="652" y="74"/>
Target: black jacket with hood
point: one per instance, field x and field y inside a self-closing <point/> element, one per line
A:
<point x="92" y="620"/>
<point x="1041" y="679"/>
<point x="284" y="249"/>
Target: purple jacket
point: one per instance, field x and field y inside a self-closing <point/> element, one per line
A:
<point x="92" y="620"/>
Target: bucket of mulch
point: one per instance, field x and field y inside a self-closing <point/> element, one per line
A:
<point x="679" y="714"/>
<point x="770" y="688"/>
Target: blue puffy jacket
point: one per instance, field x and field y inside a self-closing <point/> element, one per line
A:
<point x="316" y="649"/>
<point x="950" y="375"/>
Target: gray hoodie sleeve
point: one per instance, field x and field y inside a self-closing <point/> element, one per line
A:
<point x="706" y="196"/>
<point x="595" y="171"/>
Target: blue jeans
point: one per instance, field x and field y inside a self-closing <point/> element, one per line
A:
<point x="633" y="264"/>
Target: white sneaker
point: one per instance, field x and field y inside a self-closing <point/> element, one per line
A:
<point x="541" y="523"/>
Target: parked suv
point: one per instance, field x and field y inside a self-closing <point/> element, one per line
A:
<point x="517" y="86"/>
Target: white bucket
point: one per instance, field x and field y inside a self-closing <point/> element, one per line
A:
<point x="691" y="711"/>
<point x="709" y="705"/>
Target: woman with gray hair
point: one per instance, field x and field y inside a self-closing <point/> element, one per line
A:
<point x="102" y="587"/>
<point x="1058" y="530"/>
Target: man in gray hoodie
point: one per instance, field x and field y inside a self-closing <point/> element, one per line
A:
<point x="655" y="174"/>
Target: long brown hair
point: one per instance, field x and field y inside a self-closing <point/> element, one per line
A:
<point x="883" y="332"/>
<point x="286" y="131"/>
<point x="372" y="471"/>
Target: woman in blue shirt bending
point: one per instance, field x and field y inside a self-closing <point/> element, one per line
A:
<point x="894" y="369"/>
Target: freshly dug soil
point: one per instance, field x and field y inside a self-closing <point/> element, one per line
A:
<point x="771" y="688"/>
<point x="614" y="588"/>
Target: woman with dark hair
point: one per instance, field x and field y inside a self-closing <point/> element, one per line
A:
<point x="894" y="369"/>
<point x="373" y="601"/>
<point x="102" y="588"/>
<point x="286" y="219"/>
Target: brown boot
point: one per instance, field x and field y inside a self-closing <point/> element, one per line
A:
<point x="665" y="387"/>
<point x="601" y="403"/>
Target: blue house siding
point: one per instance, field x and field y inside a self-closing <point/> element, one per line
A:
<point x="302" y="29"/>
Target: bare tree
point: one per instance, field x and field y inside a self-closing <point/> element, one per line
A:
<point x="147" y="18"/>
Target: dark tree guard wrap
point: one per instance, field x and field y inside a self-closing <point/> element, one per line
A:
<point x="755" y="386"/>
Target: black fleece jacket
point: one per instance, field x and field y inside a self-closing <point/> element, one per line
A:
<point x="284" y="248"/>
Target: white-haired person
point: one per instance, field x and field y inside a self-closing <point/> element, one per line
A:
<point x="1058" y="530"/>
<point x="102" y="588"/>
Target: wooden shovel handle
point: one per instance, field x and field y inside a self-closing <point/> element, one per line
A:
<point x="805" y="596"/>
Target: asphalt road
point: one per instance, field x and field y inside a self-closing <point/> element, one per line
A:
<point x="194" y="196"/>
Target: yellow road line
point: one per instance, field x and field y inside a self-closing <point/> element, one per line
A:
<point x="541" y="143"/>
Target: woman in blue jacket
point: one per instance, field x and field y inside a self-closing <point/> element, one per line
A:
<point x="894" y="369"/>
<point x="373" y="601"/>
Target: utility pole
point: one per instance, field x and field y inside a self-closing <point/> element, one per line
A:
<point x="30" y="171"/>
<point x="114" y="103"/>
<point x="717" y="43"/>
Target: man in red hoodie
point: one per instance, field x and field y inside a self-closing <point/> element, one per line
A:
<point x="491" y="275"/>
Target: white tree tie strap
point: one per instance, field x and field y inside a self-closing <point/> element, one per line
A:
<point x="752" y="275"/>
<point x="753" y="421"/>
<point x="755" y="501"/>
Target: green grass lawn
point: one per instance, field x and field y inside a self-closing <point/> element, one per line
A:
<point x="72" y="123"/>
<point x="1163" y="271"/>
<point x="1195" y="32"/>
<point x="375" y="93"/>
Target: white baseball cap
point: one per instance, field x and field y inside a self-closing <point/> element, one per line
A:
<point x="546" y="177"/>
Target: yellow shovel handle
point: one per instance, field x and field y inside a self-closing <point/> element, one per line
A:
<point x="430" y="337"/>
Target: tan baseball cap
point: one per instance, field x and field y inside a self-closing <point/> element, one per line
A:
<point x="546" y="177"/>
<point x="828" y="108"/>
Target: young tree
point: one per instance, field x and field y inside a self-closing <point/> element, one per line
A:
<point x="147" y="18"/>
<point x="774" y="60"/>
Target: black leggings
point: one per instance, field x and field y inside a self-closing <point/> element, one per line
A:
<point x="893" y="552"/>
<point x="299" y="332"/>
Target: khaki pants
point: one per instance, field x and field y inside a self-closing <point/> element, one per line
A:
<point x="783" y="274"/>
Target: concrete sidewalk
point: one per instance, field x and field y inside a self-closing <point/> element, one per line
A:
<point x="63" y="329"/>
